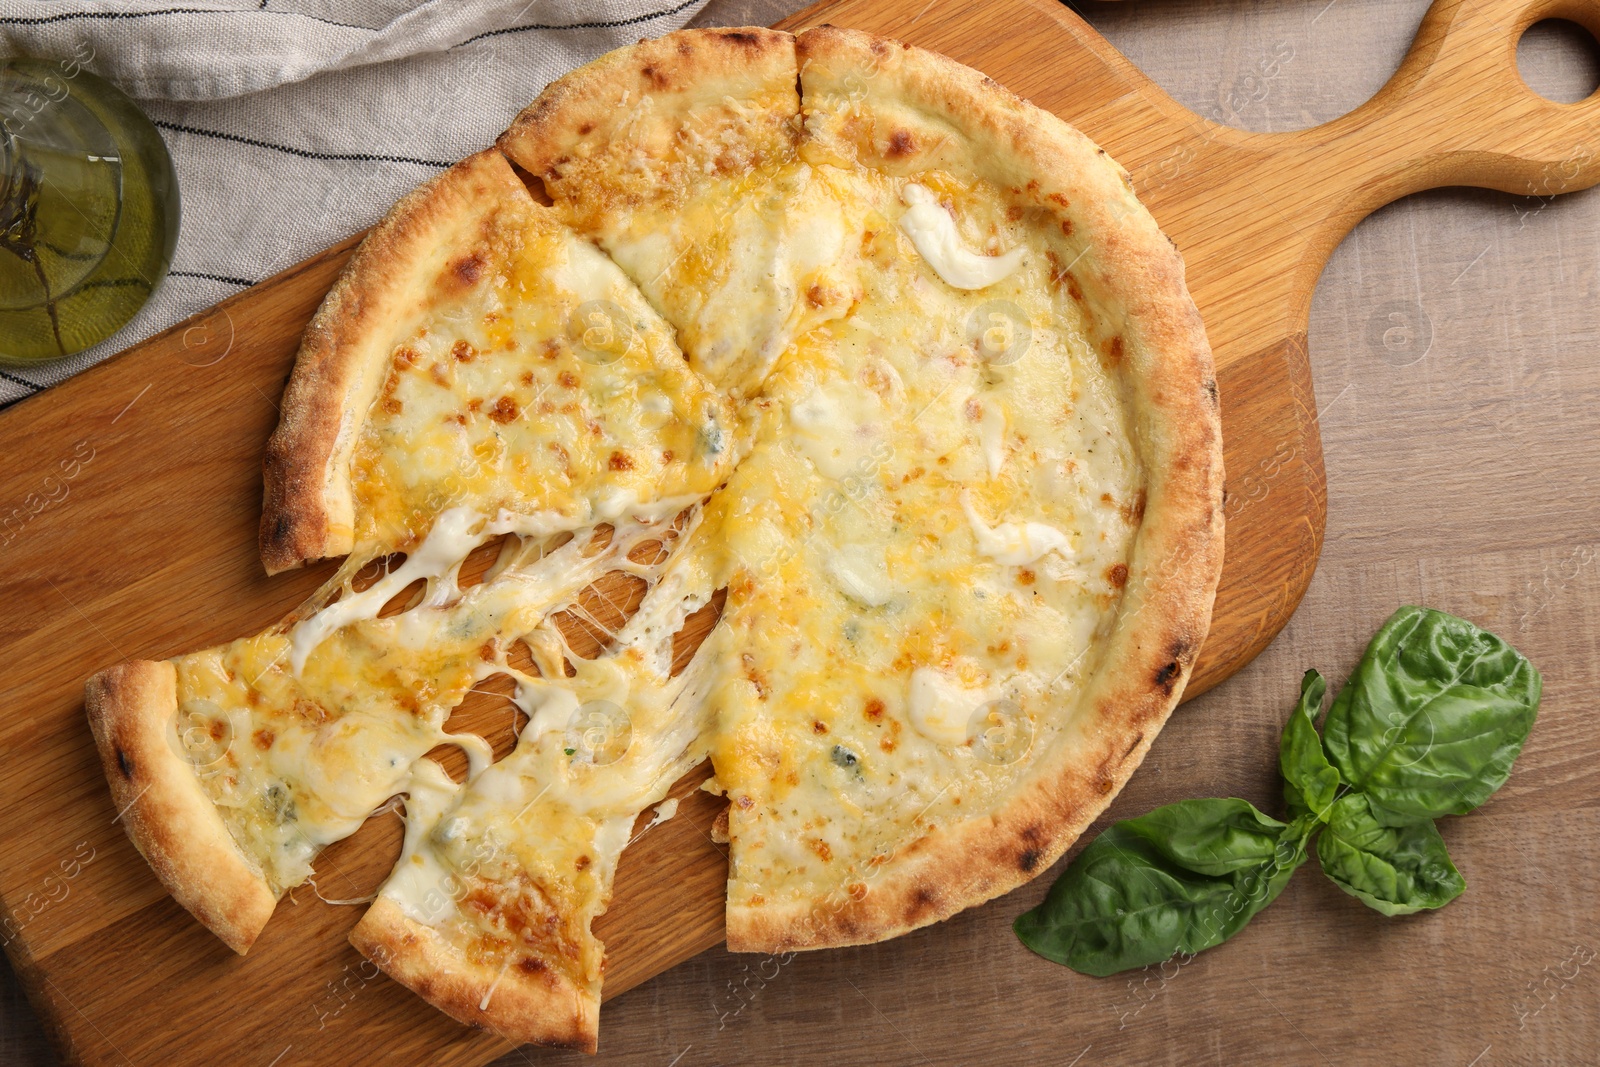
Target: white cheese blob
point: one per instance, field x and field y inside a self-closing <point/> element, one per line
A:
<point x="837" y="427"/>
<point x="1014" y="544"/>
<point x="941" y="707"/>
<point x="933" y="231"/>
<point x="861" y="573"/>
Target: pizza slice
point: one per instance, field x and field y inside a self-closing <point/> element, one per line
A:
<point x="487" y="914"/>
<point x="479" y="374"/>
<point x="678" y="156"/>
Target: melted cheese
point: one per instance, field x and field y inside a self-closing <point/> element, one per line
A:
<point x="1014" y="544"/>
<point x="933" y="231"/>
<point x="941" y="708"/>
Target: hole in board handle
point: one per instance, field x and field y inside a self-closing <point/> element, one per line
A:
<point x="1559" y="60"/>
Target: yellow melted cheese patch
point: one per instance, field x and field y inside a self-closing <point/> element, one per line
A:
<point x="540" y="384"/>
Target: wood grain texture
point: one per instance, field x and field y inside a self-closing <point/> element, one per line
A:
<point x="173" y="433"/>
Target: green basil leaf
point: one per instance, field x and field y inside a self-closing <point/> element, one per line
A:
<point x="1432" y="718"/>
<point x="1310" y="782"/>
<point x="1394" y="870"/>
<point x="1178" y="880"/>
<point x="1214" y="837"/>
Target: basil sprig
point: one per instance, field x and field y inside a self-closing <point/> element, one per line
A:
<point x="1428" y="725"/>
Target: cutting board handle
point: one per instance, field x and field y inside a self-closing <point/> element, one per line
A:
<point x="1501" y="134"/>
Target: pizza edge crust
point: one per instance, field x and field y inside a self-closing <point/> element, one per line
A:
<point x="167" y="816"/>
<point x="547" y="1008"/>
<point x="308" y="510"/>
<point x="1147" y="659"/>
<point x="684" y="70"/>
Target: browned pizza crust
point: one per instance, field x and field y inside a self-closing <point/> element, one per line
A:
<point x="924" y="112"/>
<point x="308" y="510"/>
<point x="132" y="712"/>
<point x="527" y="1003"/>
<point x="688" y="75"/>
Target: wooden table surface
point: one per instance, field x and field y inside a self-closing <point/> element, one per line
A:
<point x="1456" y="347"/>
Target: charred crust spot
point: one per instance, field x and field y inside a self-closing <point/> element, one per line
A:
<point x="583" y="863"/>
<point x="463" y="351"/>
<point x="468" y="269"/>
<point x="1033" y="835"/>
<point x="922" y="902"/>
<point x="280" y="529"/>
<point x="874" y="709"/>
<point x="1168" y="675"/>
<point x="1210" y="386"/>
<point x="124" y="764"/>
<point x="816" y="296"/>
<point x="1066" y="227"/>
<point x="586" y="129"/>
<point x="486" y="651"/>
<point x="392" y="406"/>
<point x="1118" y="575"/>
<point x="505" y="410"/>
<point x="620" y="461"/>
<point x="880" y="47"/>
<point x="819" y="727"/>
<point x="1114" y="350"/>
<point x="1138" y="737"/>
<point x="1028" y="860"/>
<point x="530" y="965"/>
<point x="901" y="143"/>
<point x="567" y="379"/>
<point x="264" y="738"/>
<point x="743" y="37"/>
<point x="656" y="78"/>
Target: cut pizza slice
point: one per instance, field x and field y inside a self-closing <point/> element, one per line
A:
<point x="477" y="352"/>
<point x="678" y="156"/>
<point x="488" y="375"/>
<point x="238" y="764"/>
<point x="488" y="912"/>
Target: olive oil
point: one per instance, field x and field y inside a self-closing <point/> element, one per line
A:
<point x="88" y="209"/>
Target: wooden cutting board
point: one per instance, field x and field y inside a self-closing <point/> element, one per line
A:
<point x="129" y="498"/>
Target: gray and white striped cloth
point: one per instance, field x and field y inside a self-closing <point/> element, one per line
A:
<point x="295" y="123"/>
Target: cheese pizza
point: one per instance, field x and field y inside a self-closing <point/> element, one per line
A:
<point x="825" y="333"/>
